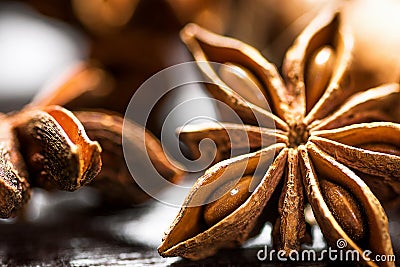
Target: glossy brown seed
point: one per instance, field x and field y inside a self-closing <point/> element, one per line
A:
<point x="344" y="208"/>
<point x="228" y="202"/>
<point x="242" y="81"/>
<point x="318" y="74"/>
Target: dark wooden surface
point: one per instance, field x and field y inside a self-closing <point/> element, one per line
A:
<point x="72" y="229"/>
<point x="69" y="232"/>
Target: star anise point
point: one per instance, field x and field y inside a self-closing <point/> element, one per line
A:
<point x="335" y="136"/>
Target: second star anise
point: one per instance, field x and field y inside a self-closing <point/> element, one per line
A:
<point x="331" y="141"/>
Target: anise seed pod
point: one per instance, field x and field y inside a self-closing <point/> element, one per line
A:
<point x="332" y="128"/>
<point x="190" y="237"/>
<point x="56" y="149"/>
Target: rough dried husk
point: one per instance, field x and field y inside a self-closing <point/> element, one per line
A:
<point x="14" y="187"/>
<point x="326" y="29"/>
<point x="345" y="145"/>
<point x="376" y="104"/>
<point x="188" y="237"/>
<point x="206" y="46"/>
<point x="346" y="126"/>
<point x="230" y="139"/>
<point x="56" y="149"/>
<point x="316" y="163"/>
<point x="291" y="222"/>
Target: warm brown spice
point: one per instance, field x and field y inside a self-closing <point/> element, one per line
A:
<point x="14" y="187"/>
<point x="323" y="136"/>
<point x="45" y="147"/>
<point x="86" y="84"/>
<point x="114" y="182"/>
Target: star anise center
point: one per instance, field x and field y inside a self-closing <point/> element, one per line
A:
<point x="298" y="135"/>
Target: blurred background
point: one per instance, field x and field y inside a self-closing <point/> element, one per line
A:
<point x="44" y="43"/>
<point x="132" y="39"/>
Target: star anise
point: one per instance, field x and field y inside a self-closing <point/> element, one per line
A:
<point x="331" y="140"/>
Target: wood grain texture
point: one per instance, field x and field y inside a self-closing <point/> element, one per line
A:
<point x="70" y="229"/>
